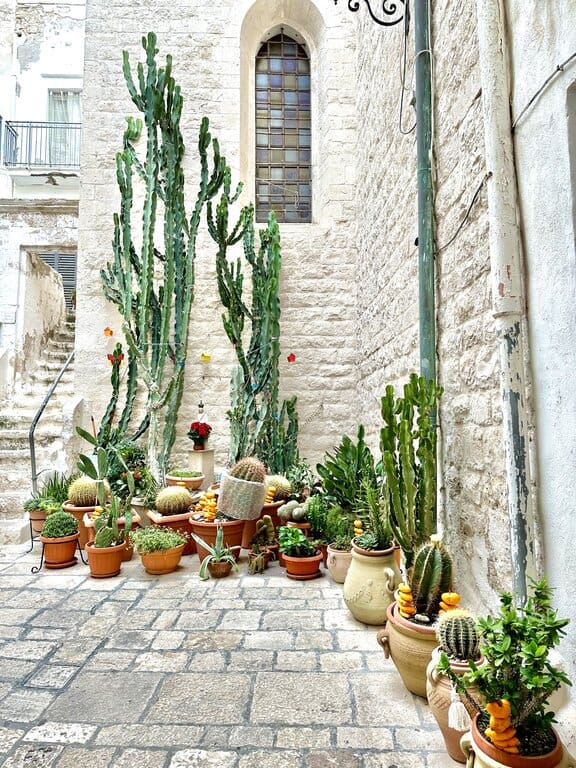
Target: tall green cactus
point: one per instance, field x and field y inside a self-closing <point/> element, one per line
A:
<point x="408" y="446"/>
<point x="432" y="575"/>
<point x="259" y="425"/>
<point x="152" y="288"/>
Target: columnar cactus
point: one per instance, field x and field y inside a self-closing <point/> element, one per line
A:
<point x="249" y="468"/>
<point x="458" y="636"/>
<point x="431" y="576"/>
<point x="174" y="500"/>
<point x="264" y="534"/>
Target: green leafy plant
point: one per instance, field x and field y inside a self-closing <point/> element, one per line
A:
<point x="516" y="646"/>
<point x="343" y="473"/>
<point x="60" y="524"/>
<point x="368" y="541"/>
<point x="339" y="528"/>
<point x="155" y="539"/>
<point x="218" y="553"/>
<point x="184" y="473"/>
<point x="294" y="543"/>
<point x="301" y="478"/>
<point x="317" y="515"/>
<point x="374" y="512"/>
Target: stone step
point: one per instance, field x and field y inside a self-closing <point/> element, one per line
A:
<point x="63" y="346"/>
<point x="15" y="438"/>
<point x="14" y="531"/>
<point x="11" y="504"/>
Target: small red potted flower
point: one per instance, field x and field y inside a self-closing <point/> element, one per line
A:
<point x="199" y="432"/>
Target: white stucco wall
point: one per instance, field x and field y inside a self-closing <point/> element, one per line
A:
<point x="542" y="38"/>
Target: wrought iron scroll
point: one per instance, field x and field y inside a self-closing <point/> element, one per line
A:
<point x="392" y="11"/>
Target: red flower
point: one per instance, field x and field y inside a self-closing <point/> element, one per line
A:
<point x="199" y="430"/>
<point x="291" y="357"/>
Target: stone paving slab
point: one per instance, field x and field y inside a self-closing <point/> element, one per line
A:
<point x="171" y="672"/>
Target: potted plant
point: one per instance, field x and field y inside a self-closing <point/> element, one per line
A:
<point x="278" y="490"/>
<point x="294" y="514"/>
<point x="60" y="539"/>
<point x="301" y="558"/>
<point x="410" y="635"/>
<point x="172" y="510"/>
<point x="510" y="692"/>
<point x="219" y="561"/>
<point x="83" y="498"/>
<point x="48" y="500"/>
<point x="243" y="490"/>
<point x="160" y="549"/>
<point x="459" y="640"/>
<point x="339" y="532"/>
<point x="185" y="478"/>
<point x="199" y="433"/>
<point x="263" y="546"/>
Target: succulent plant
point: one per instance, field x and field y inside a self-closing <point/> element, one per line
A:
<point x="250" y="469"/>
<point x="264" y="531"/>
<point x="60" y="524"/>
<point x="282" y="485"/>
<point x="83" y="492"/>
<point x="174" y="500"/>
<point x="457" y="635"/>
<point x="431" y="576"/>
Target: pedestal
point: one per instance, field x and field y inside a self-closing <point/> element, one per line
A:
<point x="203" y="461"/>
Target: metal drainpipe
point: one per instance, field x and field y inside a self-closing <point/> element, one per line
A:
<point x="506" y="267"/>
<point x="423" y="75"/>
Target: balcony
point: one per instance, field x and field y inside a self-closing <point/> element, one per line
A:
<point x="40" y="145"/>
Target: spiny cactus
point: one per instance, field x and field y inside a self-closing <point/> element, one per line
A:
<point x="174" y="500"/>
<point x="250" y="469"/>
<point x="431" y="576"/>
<point x="83" y="492"/>
<point x="104" y="537"/>
<point x="458" y="636"/>
<point x="281" y="484"/>
<point x="264" y="531"/>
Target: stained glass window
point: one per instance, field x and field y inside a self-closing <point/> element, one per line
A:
<point x="283" y="137"/>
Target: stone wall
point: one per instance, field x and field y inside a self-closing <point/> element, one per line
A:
<point x="318" y="304"/>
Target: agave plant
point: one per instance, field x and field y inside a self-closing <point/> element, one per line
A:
<point x="218" y="553"/>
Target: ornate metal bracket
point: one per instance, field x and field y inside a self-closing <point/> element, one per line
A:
<point x="392" y="11"/>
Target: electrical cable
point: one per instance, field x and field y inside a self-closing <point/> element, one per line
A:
<point x="466" y="215"/>
<point x="545" y="84"/>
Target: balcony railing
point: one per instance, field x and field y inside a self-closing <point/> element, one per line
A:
<point x="40" y="145"/>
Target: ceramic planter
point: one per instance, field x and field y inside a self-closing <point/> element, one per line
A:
<point x="250" y="525"/>
<point x="79" y="513"/>
<point x="191" y="483"/>
<point x="302" y="568"/>
<point x="481" y="754"/>
<point x="163" y="561"/>
<point x="219" y="570"/>
<point x="370" y="583"/>
<point x="439" y="695"/>
<point x="233" y="530"/>
<point x="179" y="523"/>
<point x="104" y="562"/>
<point x="338" y="563"/>
<point x="410" y="646"/>
<point x="59" y="553"/>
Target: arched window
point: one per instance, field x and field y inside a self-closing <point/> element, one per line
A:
<point x="283" y="140"/>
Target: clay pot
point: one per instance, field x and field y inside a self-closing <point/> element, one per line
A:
<point x="79" y="513"/>
<point x="191" y="483"/>
<point x="104" y="562"/>
<point x="88" y="521"/>
<point x="274" y="550"/>
<point x="410" y="646"/>
<point x="338" y="562"/>
<point x="303" y="568"/>
<point x="37" y="519"/>
<point x="250" y="525"/>
<point x="219" y="570"/>
<point x="370" y="583"/>
<point x="481" y="754"/>
<point x="59" y="553"/>
<point x="179" y="523"/>
<point x="439" y="695"/>
<point x="128" y="552"/>
<point x="304" y="527"/>
<point x="139" y="508"/>
<point x="233" y="531"/>
<point x="163" y="561"/>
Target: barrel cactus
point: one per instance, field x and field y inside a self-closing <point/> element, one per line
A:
<point x="250" y="469"/>
<point x="174" y="500"/>
<point x="431" y="576"/>
<point x="83" y="492"/>
<point x="282" y="486"/>
<point x="242" y="491"/>
<point x="458" y="636"/>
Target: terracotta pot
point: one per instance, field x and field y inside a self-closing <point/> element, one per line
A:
<point x="219" y="570"/>
<point x="191" y="483"/>
<point x="439" y="695"/>
<point x="303" y="568"/>
<point x="233" y="530"/>
<point x="179" y="523"/>
<point x="370" y="583"/>
<point x="88" y="521"/>
<point x="104" y="561"/>
<point x="37" y="519"/>
<point x="140" y="509"/>
<point x="481" y="754"/>
<point x="281" y="561"/>
<point x="250" y="525"/>
<point x="338" y="562"/>
<point x="410" y="646"/>
<point x="199" y="445"/>
<point x="79" y="513"/>
<point x="59" y="553"/>
<point x="274" y="550"/>
<point x="128" y="552"/>
<point x="164" y="561"/>
<point x="304" y="527"/>
<point x="253" y="555"/>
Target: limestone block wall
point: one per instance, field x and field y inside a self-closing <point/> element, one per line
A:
<point x="209" y="43"/>
<point x="473" y="498"/>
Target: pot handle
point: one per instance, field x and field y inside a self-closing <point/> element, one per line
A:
<point x="390" y="584"/>
<point x="466" y="747"/>
<point x="331" y="560"/>
<point x="382" y="640"/>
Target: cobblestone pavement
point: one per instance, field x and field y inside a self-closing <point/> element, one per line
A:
<point x="173" y="672"/>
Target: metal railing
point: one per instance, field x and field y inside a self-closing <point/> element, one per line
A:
<point x="36" y="419"/>
<point x="41" y="145"/>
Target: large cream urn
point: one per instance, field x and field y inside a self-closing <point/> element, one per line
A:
<point x="370" y="584"/>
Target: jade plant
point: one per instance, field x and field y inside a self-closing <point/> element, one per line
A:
<point x="512" y="688"/>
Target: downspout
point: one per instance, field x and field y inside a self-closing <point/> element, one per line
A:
<point x="423" y="76"/>
<point x="506" y="268"/>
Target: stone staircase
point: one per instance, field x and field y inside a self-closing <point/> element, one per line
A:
<point x="16" y="416"/>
